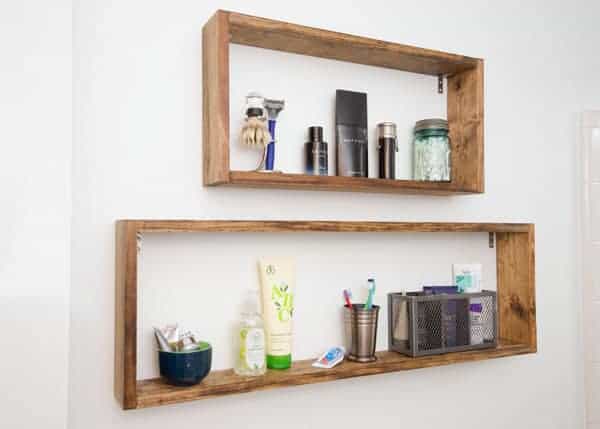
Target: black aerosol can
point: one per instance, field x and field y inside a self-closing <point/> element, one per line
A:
<point x="387" y="146"/>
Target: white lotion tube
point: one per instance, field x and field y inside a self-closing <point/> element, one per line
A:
<point x="277" y="284"/>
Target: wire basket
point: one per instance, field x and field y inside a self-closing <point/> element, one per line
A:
<point x="421" y="325"/>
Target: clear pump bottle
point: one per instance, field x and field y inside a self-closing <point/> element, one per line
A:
<point x="251" y="358"/>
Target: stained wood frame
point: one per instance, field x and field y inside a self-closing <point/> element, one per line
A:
<point x="464" y="101"/>
<point x="515" y="289"/>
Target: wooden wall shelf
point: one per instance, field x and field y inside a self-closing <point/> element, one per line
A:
<point x="218" y="383"/>
<point x="464" y="101"/>
<point x="516" y="308"/>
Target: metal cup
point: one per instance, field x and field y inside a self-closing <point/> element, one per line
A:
<point x="361" y="332"/>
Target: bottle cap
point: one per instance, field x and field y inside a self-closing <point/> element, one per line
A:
<point x="431" y="124"/>
<point x="386" y="130"/>
<point x="315" y="134"/>
<point x="251" y="302"/>
<point x="279" y="362"/>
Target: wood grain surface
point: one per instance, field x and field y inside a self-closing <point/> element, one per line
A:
<point x="465" y="107"/>
<point x="215" y="99"/>
<point x="516" y="307"/>
<point x="318" y="226"/>
<point x="156" y="392"/>
<point x="515" y="265"/>
<point x="253" y="179"/>
<point x="464" y="102"/>
<point x="126" y="314"/>
<point x="316" y="42"/>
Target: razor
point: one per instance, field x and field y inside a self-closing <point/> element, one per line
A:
<point x="273" y="108"/>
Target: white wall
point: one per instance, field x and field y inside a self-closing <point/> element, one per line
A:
<point x="137" y="154"/>
<point x="325" y="264"/>
<point x="35" y="209"/>
<point x="590" y="244"/>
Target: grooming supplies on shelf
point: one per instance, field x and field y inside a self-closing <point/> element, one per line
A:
<point x="274" y="107"/>
<point x="171" y="333"/>
<point x="254" y="131"/>
<point x="187" y="342"/>
<point x="330" y="358"/>
<point x="277" y="282"/>
<point x="316" y="152"/>
<point x="436" y="290"/>
<point x="161" y="340"/>
<point x="476" y="321"/>
<point x="450" y="311"/>
<point x="387" y="146"/>
<point x="398" y="319"/>
<point x="467" y="277"/>
<point x="186" y="368"/>
<point x="442" y="323"/>
<point x="351" y="136"/>
<point x="173" y="338"/>
<point x="348" y="297"/>
<point x="361" y="332"/>
<point x="251" y="356"/>
<point x="370" y="295"/>
<point x="431" y="150"/>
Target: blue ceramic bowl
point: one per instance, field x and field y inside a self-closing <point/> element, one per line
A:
<point x="186" y="368"/>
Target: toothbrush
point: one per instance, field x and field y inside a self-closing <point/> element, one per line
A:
<point x="347" y="297"/>
<point x="369" y="303"/>
<point x="273" y="108"/>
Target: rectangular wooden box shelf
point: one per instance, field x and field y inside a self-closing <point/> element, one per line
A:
<point x="464" y="101"/>
<point x="515" y="291"/>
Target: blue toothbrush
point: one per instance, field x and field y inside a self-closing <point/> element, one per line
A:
<point x="369" y="303"/>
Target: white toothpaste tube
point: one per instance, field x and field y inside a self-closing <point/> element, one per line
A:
<point x="162" y="342"/>
<point x="171" y="333"/>
<point x="330" y="358"/>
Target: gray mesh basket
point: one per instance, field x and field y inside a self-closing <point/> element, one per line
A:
<point x="421" y="325"/>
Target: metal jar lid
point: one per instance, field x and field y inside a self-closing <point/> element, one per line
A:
<point x="386" y="130"/>
<point x="431" y="124"/>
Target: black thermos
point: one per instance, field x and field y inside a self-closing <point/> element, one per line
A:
<point x="387" y="147"/>
<point x="316" y="152"/>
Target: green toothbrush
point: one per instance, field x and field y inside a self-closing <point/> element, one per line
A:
<point x="369" y="303"/>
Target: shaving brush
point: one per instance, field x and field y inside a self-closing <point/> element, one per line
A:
<point x="254" y="131"/>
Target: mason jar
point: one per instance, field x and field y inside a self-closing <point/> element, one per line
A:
<point x="431" y="151"/>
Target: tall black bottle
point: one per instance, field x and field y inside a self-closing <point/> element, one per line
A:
<point x="351" y="134"/>
<point x="387" y="147"/>
<point x="316" y="152"/>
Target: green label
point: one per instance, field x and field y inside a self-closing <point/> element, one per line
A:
<point x="283" y="300"/>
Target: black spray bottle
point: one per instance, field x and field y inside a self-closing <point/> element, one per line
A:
<point x="351" y="134"/>
<point x="316" y="152"/>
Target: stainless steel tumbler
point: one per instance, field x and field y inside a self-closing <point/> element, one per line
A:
<point x="361" y="332"/>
